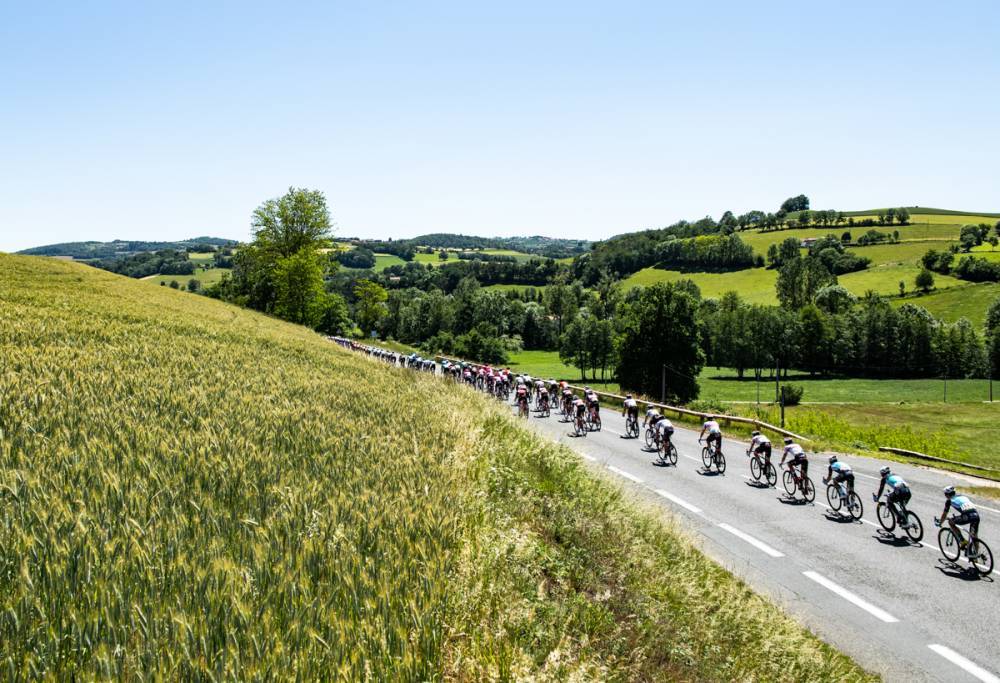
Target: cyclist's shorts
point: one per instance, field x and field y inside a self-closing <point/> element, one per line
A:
<point x="634" y="412"/>
<point x="581" y="410"/>
<point x="764" y="449"/>
<point x="798" y="460"/>
<point x="970" y="517"/>
<point x="900" y="495"/>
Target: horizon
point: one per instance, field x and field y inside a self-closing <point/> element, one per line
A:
<point x="565" y="121"/>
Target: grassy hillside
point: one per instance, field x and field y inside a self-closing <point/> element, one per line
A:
<point x="191" y="490"/>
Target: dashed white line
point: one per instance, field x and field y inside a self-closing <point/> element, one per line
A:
<point x="970" y="667"/>
<point x="623" y="473"/>
<point x="876" y="612"/>
<point x="588" y="457"/>
<point x="679" y="501"/>
<point x="756" y="543"/>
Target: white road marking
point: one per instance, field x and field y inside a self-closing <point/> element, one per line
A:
<point x="756" y="543"/>
<point x="876" y="612"/>
<point x="588" y="457"/>
<point x="611" y="431"/>
<point x="625" y="474"/>
<point x="971" y="668"/>
<point x="679" y="501"/>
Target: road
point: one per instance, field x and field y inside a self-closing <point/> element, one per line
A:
<point x="897" y="608"/>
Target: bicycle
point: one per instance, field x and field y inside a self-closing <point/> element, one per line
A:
<point x="837" y="496"/>
<point x="580" y="426"/>
<point x="759" y="468"/>
<point x="667" y="453"/>
<point x="651" y="438"/>
<point x="632" y="427"/>
<point x="976" y="551"/>
<point x="544" y="410"/>
<point x="522" y="408"/>
<point x="887" y="517"/>
<point x="593" y="420"/>
<point x="793" y="482"/>
<point x="711" y="455"/>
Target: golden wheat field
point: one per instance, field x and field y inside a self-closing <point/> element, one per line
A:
<point x="189" y="490"/>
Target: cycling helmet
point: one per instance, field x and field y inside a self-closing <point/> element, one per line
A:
<point x="949" y="491"/>
<point x="755" y="433"/>
<point x="833" y="459"/>
<point x="884" y="471"/>
<point x="788" y="440"/>
<point x="586" y="388"/>
<point x="628" y="395"/>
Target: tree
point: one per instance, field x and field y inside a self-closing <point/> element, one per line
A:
<point x="298" y="286"/>
<point x="333" y="314"/>
<point x="925" y="281"/>
<point x="903" y="216"/>
<point x="799" y="280"/>
<point x="835" y="299"/>
<point x="443" y="255"/>
<point x="814" y="338"/>
<point x="970" y="237"/>
<point x="295" y="221"/>
<point x="174" y="284"/>
<point x="573" y="346"/>
<point x="661" y="327"/>
<point x="902" y="288"/>
<point x="194" y="285"/>
<point x="798" y="203"/>
<point x="370" y="307"/>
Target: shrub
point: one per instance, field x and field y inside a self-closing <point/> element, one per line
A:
<point x="791" y="394"/>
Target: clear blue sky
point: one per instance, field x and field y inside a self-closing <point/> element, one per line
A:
<point x="575" y="119"/>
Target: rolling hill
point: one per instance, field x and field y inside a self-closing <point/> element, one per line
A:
<point x="190" y="490"/>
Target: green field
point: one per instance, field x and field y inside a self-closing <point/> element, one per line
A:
<point x="193" y="491"/>
<point x="383" y="261"/>
<point x="755" y="285"/>
<point x="885" y="279"/>
<point x="966" y="301"/>
<point x="205" y="277"/>
<point x="201" y="257"/>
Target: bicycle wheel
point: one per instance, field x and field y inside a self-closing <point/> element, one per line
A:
<point x="810" y="490"/>
<point x="632" y="429"/>
<point x="833" y="497"/>
<point x="672" y="454"/>
<point x="885" y="516"/>
<point x="649" y="438"/>
<point x="982" y="558"/>
<point x="854" y="506"/>
<point x="789" y="482"/>
<point x="914" y="527"/>
<point x="598" y="422"/>
<point x="755" y="468"/>
<point x="948" y="544"/>
<point x="772" y="475"/>
<point x="720" y="462"/>
<point x="706" y="458"/>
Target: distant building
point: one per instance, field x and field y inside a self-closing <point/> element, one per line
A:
<point x="809" y="241"/>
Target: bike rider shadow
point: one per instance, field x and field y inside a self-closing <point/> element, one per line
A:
<point x="792" y="500"/>
<point x="957" y="571"/>
<point x="710" y="473"/>
<point x="834" y="516"/>
<point x="888" y="538"/>
<point x="757" y="484"/>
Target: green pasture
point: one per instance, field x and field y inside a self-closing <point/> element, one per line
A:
<point x="755" y="285"/>
<point x="205" y="276"/>
<point x="383" y="261"/>
<point x="964" y="301"/>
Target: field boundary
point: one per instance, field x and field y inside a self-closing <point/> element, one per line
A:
<point x="934" y="458"/>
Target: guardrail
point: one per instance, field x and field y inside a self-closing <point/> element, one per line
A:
<point x="934" y="458"/>
<point x="728" y="419"/>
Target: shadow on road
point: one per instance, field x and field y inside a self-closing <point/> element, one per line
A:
<point x="791" y="500"/>
<point x="839" y="518"/>
<point x="887" y="538"/>
<point x="957" y="571"/>
<point x="709" y="473"/>
<point x="757" y="484"/>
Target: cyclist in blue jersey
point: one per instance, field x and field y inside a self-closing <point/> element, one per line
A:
<point x="841" y="473"/>
<point x="899" y="493"/>
<point x="967" y="514"/>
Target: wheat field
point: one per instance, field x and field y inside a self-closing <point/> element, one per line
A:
<point x="189" y="490"/>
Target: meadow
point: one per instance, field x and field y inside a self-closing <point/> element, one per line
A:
<point x="206" y="277"/>
<point x="966" y="301"/>
<point x="190" y="490"/>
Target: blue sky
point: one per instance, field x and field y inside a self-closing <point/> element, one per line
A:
<point x="168" y="120"/>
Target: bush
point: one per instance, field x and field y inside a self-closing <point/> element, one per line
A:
<point x="791" y="394"/>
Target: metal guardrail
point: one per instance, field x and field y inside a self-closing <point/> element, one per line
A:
<point x="934" y="458"/>
<point x="675" y="409"/>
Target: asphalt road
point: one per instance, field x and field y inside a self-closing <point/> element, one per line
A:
<point x="898" y="608"/>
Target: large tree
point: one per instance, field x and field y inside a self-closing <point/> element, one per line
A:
<point x="799" y="279"/>
<point x="297" y="220"/>
<point x="661" y="328"/>
<point x="370" y="307"/>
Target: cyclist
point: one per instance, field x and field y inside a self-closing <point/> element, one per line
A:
<point x="899" y="493"/>
<point x="652" y="417"/>
<point x="567" y="397"/>
<point x="840" y="472"/>
<point x="664" y="430"/>
<point x="521" y="398"/>
<point x="967" y="514"/>
<point x="593" y="404"/>
<point x="553" y="388"/>
<point x="630" y="408"/>
<point x="714" y="433"/>
<point x="798" y="458"/>
<point x="579" y="410"/>
<point x="543" y="398"/>
<point x="761" y="445"/>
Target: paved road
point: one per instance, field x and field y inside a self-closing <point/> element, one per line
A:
<point x="899" y="609"/>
